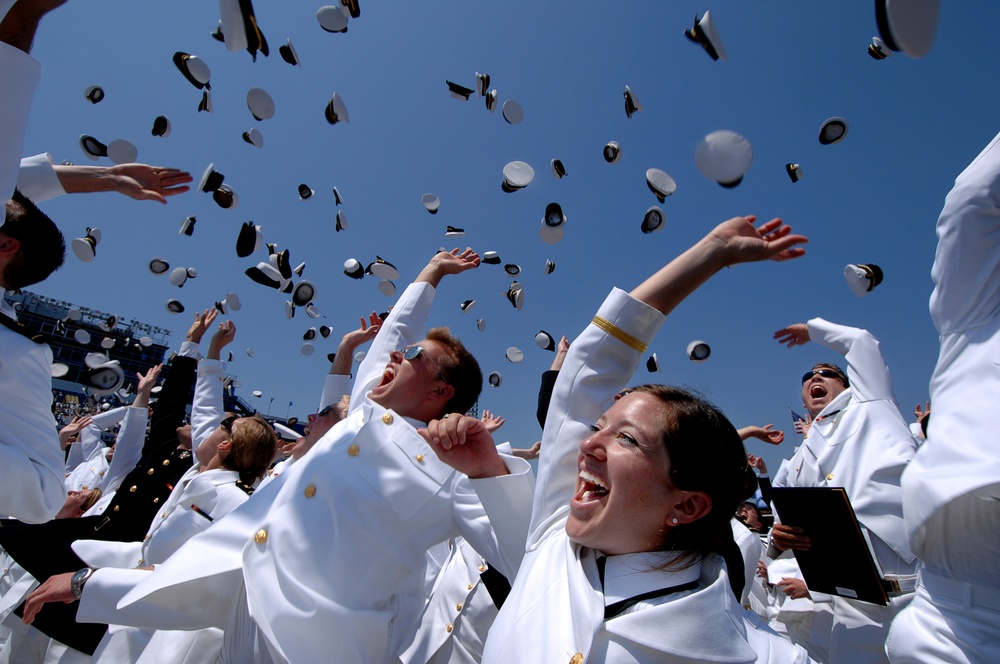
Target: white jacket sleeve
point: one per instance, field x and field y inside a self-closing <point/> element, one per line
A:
<point x="37" y="179"/>
<point x="19" y="76"/>
<point x="206" y="409"/>
<point x="599" y="364"/>
<point x="866" y="367"/>
<point x="128" y="447"/>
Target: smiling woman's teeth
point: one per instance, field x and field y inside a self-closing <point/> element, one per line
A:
<point x="592" y="485"/>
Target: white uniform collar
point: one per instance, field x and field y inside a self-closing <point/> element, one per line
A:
<point x="632" y="574"/>
<point x="371" y="410"/>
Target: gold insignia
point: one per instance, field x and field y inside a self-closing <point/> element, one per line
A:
<point x="387" y="418"/>
<point x="420" y="458"/>
<point x="260" y="536"/>
<point x="353" y="450"/>
<point x="310" y="491"/>
<point x="448" y="628"/>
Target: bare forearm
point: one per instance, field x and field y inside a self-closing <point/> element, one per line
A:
<point x="85" y="179"/>
<point x="668" y="287"/>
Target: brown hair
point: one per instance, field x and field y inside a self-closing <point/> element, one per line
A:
<point x="827" y="365"/>
<point x="707" y="455"/>
<point x="459" y="369"/>
<point x="43" y="247"/>
<point x="254" y="446"/>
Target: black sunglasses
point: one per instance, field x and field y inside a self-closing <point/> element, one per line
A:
<point x="325" y="411"/>
<point x="227" y="423"/>
<point x="825" y="373"/>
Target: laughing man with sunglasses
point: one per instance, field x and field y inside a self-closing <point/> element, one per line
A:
<point x="859" y="441"/>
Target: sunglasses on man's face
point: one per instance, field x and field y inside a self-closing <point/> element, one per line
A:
<point x="325" y="411"/>
<point x="411" y="353"/>
<point x="825" y="373"/>
<point x="227" y="424"/>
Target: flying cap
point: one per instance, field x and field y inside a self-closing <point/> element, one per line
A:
<point x="724" y="156"/>
<point x="832" y="131"/>
<point x="337" y="198"/>
<point x="382" y="268"/>
<point x="304" y="293"/>
<point x="459" y="92"/>
<point x="59" y="369"/>
<point x="467" y="305"/>
<point x="661" y="184"/>
<point x="482" y="84"/>
<point x="491" y="258"/>
<point x="187" y="227"/>
<point x="705" y="33"/>
<point x="233" y="300"/>
<point x="94" y="94"/>
<point x="254" y="137"/>
<point x="512" y="112"/>
<point x="194" y="69"/>
<point x="161" y="126"/>
<point x="794" y="172"/>
<point x="698" y="351"/>
<point x="289" y="54"/>
<point x="341" y="221"/>
<point x="515" y="355"/>
<point x="121" y="151"/>
<point x="85" y="247"/>
<point x="305" y="192"/>
<point x="325" y="331"/>
<point x="289" y="309"/>
<point x="158" y="266"/>
<point x="878" y="49"/>
<point x="495" y="379"/>
<point x="652" y="221"/>
<point x="211" y="179"/>
<point x="862" y="279"/>
<point x="352" y="7"/>
<point x="551" y="234"/>
<point x="431" y="203"/>
<point x="545" y="340"/>
<point x="550" y="266"/>
<point x="178" y="276"/>
<point x="107" y="343"/>
<point x="102" y="376"/>
<point x="307" y="349"/>
<point x="512" y="270"/>
<point x="515" y="295"/>
<point x="491" y="100"/>
<point x="175" y="307"/>
<point x="332" y="19"/>
<point x="225" y="197"/>
<point x="517" y="175"/>
<point x="353" y="269"/>
<point x="93" y="148"/>
<point x="481" y="324"/>
<point x="908" y="26"/>
<point x="386" y="287"/>
<point x="452" y="231"/>
<point x="558" y="170"/>
<point x="612" y="152"/>
<point x="205" y="105"/>
<point x="632" y="104"/>
<point x="265" y="274"/>
<point x="109" y="323"/>
<point x="260" y="103"/>
<point x="554" y="215"/>
<point x="239" y="28"/>
<point x="82" y="337"/>
<point x="249" y="239"/>
<point x="653" y="364"/>
<point x="312" y="310"/>
<point x="336" y="110"/>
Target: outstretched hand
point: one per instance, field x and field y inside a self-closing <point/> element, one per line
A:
<point x="149" y="183"/>
<point x="743" y="243"/>
<point x="492" y="422"/>
<point x="463" y="443"/>
<point x="793" y="335"/>
<point x="764" y="433"/>
<point x="448" y="262"/>
<point x="222" y="338"/>
<point x="201" y="323"/>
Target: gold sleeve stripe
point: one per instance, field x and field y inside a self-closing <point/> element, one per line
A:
<point x="619" y="334"/>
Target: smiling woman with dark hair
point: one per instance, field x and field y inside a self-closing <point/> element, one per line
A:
<point x="635" y="490"/>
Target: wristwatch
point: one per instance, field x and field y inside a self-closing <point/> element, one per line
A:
<point x="80" y="578"/>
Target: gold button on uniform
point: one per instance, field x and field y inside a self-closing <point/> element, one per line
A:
<point x="420" y="458"/>
<point x="156" y="500"/>
<point x="470" y="586"/>
<point x="458" y="607"/>
<point x="576" y="659"/>
<point x="150" y="471"/>
<point x="166" y="462"/>
<point x="387" y="418"/>
<point x="482" y="568"/>
<point x="132" y="489"/>
<point x="353" y="450"/>
<point x="829" y="476"/>
<point x="310" y="491"/>
<point x="448" y="628"/>
<point x="117" y="507"/>
<point x="260" y="536"/>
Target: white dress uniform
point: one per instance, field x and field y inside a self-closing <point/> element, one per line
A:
<point x="96" y="472"/>
<point x="200" y="498"/>
<point x="19" y="76"/>
<point x="556" y="609"/>
<point x="952" y="487"/>
<point x="37" y="179"/>
<point x="321" y="551"/>
<point x="861" y="442"/>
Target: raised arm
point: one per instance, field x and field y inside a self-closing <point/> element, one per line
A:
<point x="406" y="321"/>
<point x="338" y="381"/>
<point x="207" y="410"/>
<point x="603" y="358"/>
<point x="128" y="445"/>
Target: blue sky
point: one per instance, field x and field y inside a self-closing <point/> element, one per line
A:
<point x="914" y="125"/>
